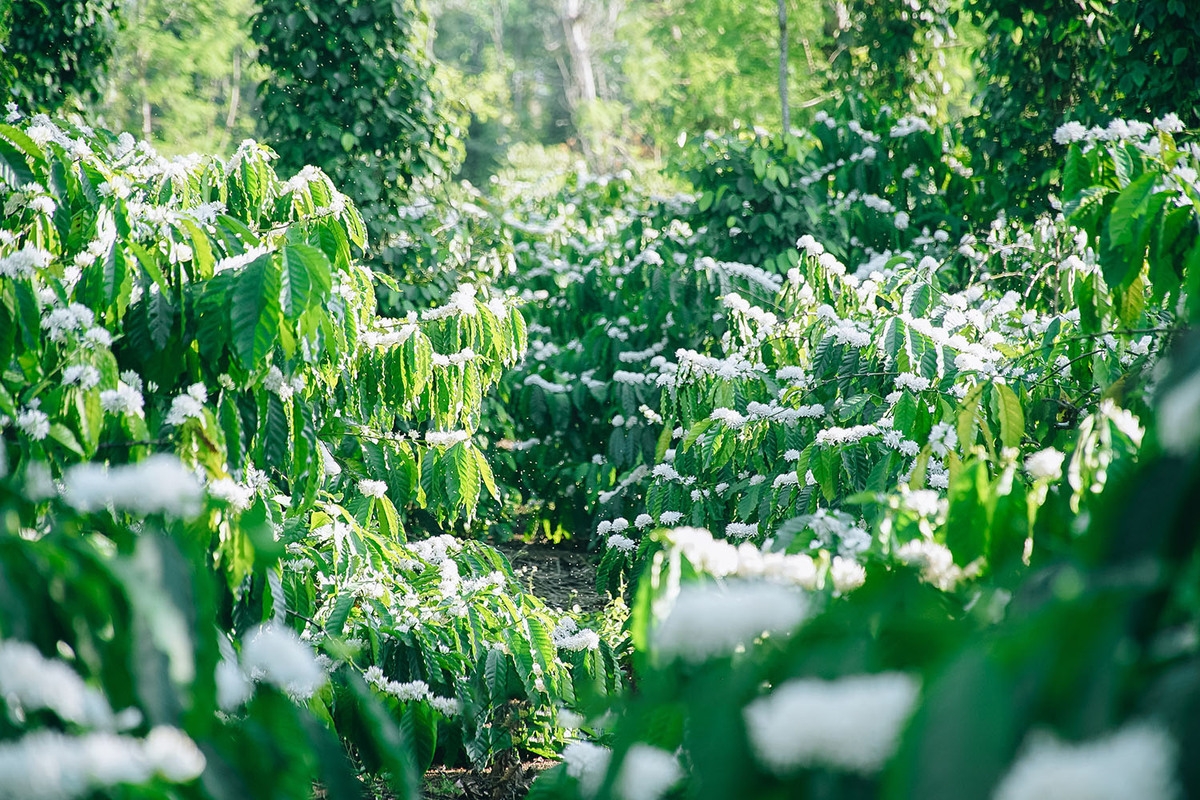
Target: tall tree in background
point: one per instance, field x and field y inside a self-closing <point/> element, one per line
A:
<point x="350" y="88"/>
<point x="55" y="52"/>
<point x="785" y="109"/>
<point x="890" y="50"/>
<point x="1045" y="62"/>
<point x="183" y="74"/>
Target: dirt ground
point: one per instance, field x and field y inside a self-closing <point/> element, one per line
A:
<point x="560" y="577"/>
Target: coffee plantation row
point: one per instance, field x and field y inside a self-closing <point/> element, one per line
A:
<point x="895" y="496"/>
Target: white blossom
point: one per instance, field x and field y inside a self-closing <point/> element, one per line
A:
<point x="567" y="635"/>
<point x="710" y="621"/>
<point x="158" y="484"/>
<point x="1045" y="465"/>
<point x="646" y="773"/>
<point x="34" y="423"/>
<point x="274" y="654"/>
<point x="231" y="492"/>
<point x="587" y="763"/>
<point x="372" y="488"/>
<point x="445" y="438"/>
<point x="48" y="765"/>
<point x="189" y="405"/>
<point x="852" y="724"/>
<point x="1135" y="761"/>
<point x="741" y="530"/>
<point x="31" y="682"/>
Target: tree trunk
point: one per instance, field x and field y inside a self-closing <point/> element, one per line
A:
<point x="578" y="39"/>
<point x="783" y="67"/>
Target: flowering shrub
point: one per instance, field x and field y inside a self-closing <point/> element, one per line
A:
<point x="214" y="455"/>
<point x="913" y="485"/>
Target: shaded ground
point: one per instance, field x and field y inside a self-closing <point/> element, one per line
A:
<point x="560" y="577"/>
<point x="500" y="783"/>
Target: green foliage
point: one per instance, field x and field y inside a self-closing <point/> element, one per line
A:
<point x="913" y="522"/>
<point x="1047" y="63"/>
<point x="183" y="74"/>
<point x="887" y="179"/>
<point x="55" y="52"/>
<point x="350" y="89"/>
<point x="893" y="53"/>
<point x="246" y="453"/>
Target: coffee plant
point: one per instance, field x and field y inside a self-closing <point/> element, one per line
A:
<point x="224" y="481"/>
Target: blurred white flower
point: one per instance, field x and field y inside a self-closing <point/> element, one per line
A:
<point x="852" y="723"/>
<point x="1136" y="761"/>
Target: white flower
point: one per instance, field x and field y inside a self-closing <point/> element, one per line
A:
<point x="30" y="682"/>
<point x="785" y="480"/>
<point x="567" y="635"/>
<point x="1070" y="132"/>
<point x="275" y="654"/>
<point x="1169" y="123"/>
<point x="587" y="763"/>
<point x="709" y="621"/>
<point x="853" y="724"/>
<point x="901" y="221"/>
<point x="158" y="484"/>
<point x="1045" y="465"/>
<point x="34" y="423"/>
<point x="942" y="438"/>
<point x="741" y="530"/>
<point x="172" y="755"/>
<point x="729" y="417"/>
<point x="835" y="436"/>
<point x="935" y="561"/>
<point x="847" y="574"/>
<point x="189" y="405"/>
<point x="924" y="502"/>
<point x="647" y="773"/>
<point x="912" y="382"/>
<point x="669" y="517"/>
<point x="622" y="543"/>
<point x="22" y="263"/>
<point x="1136" y="761"/>
<point x="84" y="375"/>
<point x="125" y="399"/>
<point x="48" y="765"/>
<point x="643" y="521"/>
<point x="231" y="492"/>
<point x="372" y="488"/>
<point x="445" y="438"/>
<point x="233" y="687"/>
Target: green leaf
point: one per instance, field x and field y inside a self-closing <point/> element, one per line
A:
<point x="254" y="311"/>
<point x="967" y="521"/>
<point x="1076" y="172"/>
<point x="462" y="478"/>
<point x="14" y="170"/>
<point x="892" y="341"/>
<point x="1008" y="412"/>
<point x="1120" y="263"/>
<point x="295" y="283"/>
<point x="342" y="607"/>
<point x="917" y="299"/>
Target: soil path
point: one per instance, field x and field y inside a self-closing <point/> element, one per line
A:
<point x="560" y="577"/>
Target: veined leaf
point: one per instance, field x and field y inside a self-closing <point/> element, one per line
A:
<point x="254" y="311"/>
<point x="1008" y="412"/>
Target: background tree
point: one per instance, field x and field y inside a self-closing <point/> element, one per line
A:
<point x="350" y="88"/>
<point x="183" y="75"/>
<point x="55" y="52"/>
